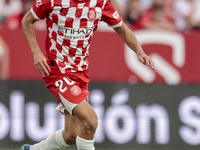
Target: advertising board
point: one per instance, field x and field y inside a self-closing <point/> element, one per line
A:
<point x="131" y="116"/>
<point x="176" y="57"/>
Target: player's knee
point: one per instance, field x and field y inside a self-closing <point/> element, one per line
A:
<point x="90" y="125"/>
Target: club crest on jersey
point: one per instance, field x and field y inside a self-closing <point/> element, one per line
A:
<point x="75" y="90"/>
<point x="92" y="14"/>
<point x="116" y="15"/>
<point x="38" y="3"/>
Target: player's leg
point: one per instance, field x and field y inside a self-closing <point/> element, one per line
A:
<point x="79" y="128"/>
<point x="70" y="98"/>
<point x="88" y="124"/>
<point x="72" y="128"/>
<point x="61" y="138"/>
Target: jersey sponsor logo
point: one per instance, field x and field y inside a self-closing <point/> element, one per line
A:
<point x="116" y="15"/>
<point x="75" y="90"/>
<point x="38" y="3"/>
<point x="92" y="14"/>
<point x="73" y="34"/>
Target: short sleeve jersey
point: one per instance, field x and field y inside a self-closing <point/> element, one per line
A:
<point x="70" y="27"/>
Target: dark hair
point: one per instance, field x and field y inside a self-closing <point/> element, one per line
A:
<point x="27" y="1"/>
<point x="157" y="7"/>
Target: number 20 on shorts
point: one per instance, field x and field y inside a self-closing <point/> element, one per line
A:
<point x="59" y="84"/>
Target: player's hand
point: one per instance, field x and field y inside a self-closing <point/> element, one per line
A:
<point x="146" y="60"/>
<point x="40" y="63"/>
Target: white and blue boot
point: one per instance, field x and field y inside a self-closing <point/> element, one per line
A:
<point x="25" y="147"/>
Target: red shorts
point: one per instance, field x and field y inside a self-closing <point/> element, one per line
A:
<point x="69" y="89"/>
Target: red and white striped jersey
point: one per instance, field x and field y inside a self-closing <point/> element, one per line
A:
<point x="70" y="27"/>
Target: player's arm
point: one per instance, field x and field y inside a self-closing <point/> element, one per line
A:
<point x="129" y="38"/>
<point x="5" y="61"/>
<point x="39" y="58"/>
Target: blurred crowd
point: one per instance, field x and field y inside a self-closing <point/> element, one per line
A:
<point x="172" y="15"/>
<point x="12" y="12"/>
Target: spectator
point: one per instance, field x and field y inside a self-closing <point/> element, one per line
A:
<point x="4" y="60"/>
<point x="167" y="8"/>
<point x="14" y="21"/>
<point x="121" y="6"/>
<point x="157" y="19"/>
<point x="146" y="4"/>
<point x="187" y="14"/>
<point x="134" y="15"/>
<point x="8" y="8"/>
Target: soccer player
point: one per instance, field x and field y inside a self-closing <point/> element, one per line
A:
<point x="70" y="27"/>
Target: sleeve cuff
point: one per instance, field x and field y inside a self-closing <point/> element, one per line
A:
<point x="33" y="13"/>
<point x="117" y="25"/>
